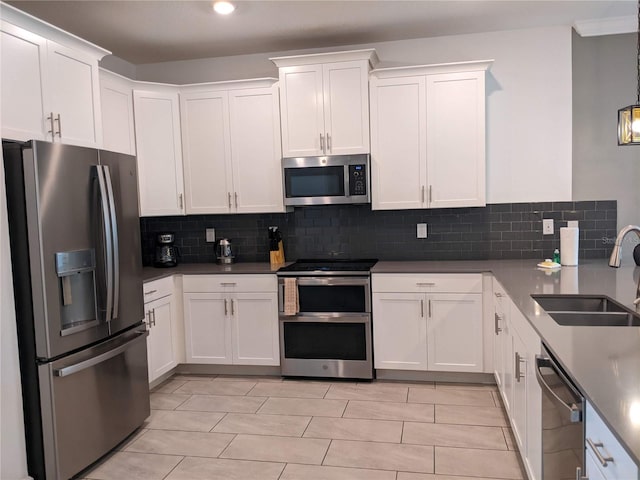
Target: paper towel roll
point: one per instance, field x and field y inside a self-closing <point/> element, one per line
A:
<point x="569" y="245"/>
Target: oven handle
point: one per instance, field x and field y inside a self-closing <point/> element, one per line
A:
<point x="341" y="318"/>
<point x="331" y="281"/>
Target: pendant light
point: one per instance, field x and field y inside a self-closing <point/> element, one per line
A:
<point x="629" y="117"/>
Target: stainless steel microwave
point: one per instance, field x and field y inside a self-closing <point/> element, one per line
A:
<point x="336" y="179"/>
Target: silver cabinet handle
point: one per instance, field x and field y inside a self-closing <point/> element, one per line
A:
<point x="422" y="194"/>
<point x="496" y="328"/>
<point x="148" y="317"/>
<point x="150" y="292"/>
<point x="236" y="197"/>
<point x="52" y="131"/>
<point x="421" y="308"/>
<point x="180" y="201"/>
<point x="226" y="311"/>
<point x="429" y="308"/>
<point x="229" y="197"/>
<point x="498" y="294"/>
<point x="232" y="308"/>
<point x="227" y="284"/>
<point x="153" y="317"/>
<point x="425" y="284"/>
<point x="322" y="143"/>
<point x="59" y="125"/>
<point x="604" y="461"/>
<point x="518" y="373"/>
<point x="328" y="142"/>
<point x="430" y="194"/>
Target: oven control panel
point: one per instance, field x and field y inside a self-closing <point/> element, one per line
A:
<point x="358" y="179"/>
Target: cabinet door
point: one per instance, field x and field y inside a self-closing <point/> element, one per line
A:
<point x="157" y="125"/>
<point x="207" y="328"/>
<point x="519" y="398"/>
<point x="454" y="332"/>
<point x="24" y="105"/>
<point x="399" y="331"/>
<point x="159" y="315"/>
<point x="302" y="111"/>
<point x="456" y="140"/>
<point x="75" y="89"/>
<point x="255" y="150"/>
<point x="116" y="95"/>
<point x="346" y="107"/>
<point x="207" y="152"/>
<point x="398" y="148"/>
<point x="592" y="467"/>
<point x="255" y="329"/>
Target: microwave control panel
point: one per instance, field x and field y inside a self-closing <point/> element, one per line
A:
<point x="357" y="179"/>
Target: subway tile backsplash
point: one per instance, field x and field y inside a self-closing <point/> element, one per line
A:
<point x="498" y="231"/>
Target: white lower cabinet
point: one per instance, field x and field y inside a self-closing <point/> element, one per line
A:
<point x="421" y="323"/>
<point x="605" y="458"/>
<point x="161" y="319"/>
<point x="516" y="345"/>
<point x="231" y="319"/>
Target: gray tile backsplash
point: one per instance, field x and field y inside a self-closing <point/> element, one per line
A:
<point x="498" y="231"/>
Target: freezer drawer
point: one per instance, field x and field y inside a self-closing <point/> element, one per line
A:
<point x="97" y="397"/>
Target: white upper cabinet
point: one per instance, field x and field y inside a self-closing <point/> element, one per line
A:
<point x="157" y="127"/>
<point x="50" y="87"/>
<point x="428" y="136"/>
<point x="324" y="103"/>
<point x="231" y="146"/>
<point x="116" y="94"/>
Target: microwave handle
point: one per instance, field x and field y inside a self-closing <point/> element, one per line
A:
<point x="347" y="193"/>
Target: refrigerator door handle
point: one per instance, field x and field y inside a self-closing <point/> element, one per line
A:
<point x="106" y="222"/>
<point x="114" y="243"/>
<point x="103" y="357"/>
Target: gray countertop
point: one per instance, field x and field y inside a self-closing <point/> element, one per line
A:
<point x="152" y="273"/>
<point x="603" y="361"/>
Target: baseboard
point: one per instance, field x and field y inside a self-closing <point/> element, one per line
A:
<point x="453" y="377"/>
<point x="205" y="369"/>
<point x="162" y="378"/>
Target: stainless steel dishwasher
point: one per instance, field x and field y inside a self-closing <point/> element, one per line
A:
<point x="562" y="421"/>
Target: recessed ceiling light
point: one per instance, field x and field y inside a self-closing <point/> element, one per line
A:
<point x="224" y="8"/>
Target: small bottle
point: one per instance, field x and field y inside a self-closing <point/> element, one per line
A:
<point x="556" y="255"/>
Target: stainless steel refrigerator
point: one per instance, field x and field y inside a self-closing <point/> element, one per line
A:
<point x="76" y="259"/>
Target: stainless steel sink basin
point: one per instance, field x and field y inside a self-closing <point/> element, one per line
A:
<point x="596" y="319"/>
<point x="587" y="310"/>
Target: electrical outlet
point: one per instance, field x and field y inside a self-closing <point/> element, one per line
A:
<point x="572" y="224"/>
<point x="421" y="230"/>
<point x="211" y="234"/>
<point x="547" y="226"/>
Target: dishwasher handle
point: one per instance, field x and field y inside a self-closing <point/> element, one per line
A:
<point x="573" y="410"/>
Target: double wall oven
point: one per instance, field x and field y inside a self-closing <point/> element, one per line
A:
<point x="330" y="334"/>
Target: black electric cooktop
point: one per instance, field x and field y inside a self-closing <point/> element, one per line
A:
<point x="330" y="265"/>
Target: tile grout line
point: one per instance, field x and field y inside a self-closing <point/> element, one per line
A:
<point x="221" y="418"/>
<point x="175" y="466"/>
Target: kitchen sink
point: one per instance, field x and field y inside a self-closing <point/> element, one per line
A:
<point x="575" y="303"/>
<point x="587" y="310"/>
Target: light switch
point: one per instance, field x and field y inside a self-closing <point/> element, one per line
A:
<point x="421" y="230"/>
<point x="547" y="226"/>
<point x="211" y="235"/>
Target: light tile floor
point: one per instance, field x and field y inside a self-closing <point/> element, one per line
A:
<point x="267" y="428"/>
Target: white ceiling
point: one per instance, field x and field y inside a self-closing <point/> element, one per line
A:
<point x="159" y="31"/>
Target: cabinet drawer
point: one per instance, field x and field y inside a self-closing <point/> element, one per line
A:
<point x="597" y="432"/>
<point x="157" y="289"/>
<point x="230" y="283"/>
<point x="427" y="283"/>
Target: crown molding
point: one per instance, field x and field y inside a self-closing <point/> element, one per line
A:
<point x="606" y="26"/>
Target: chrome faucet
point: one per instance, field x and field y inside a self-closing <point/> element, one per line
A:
<point x="614" y="260"/>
